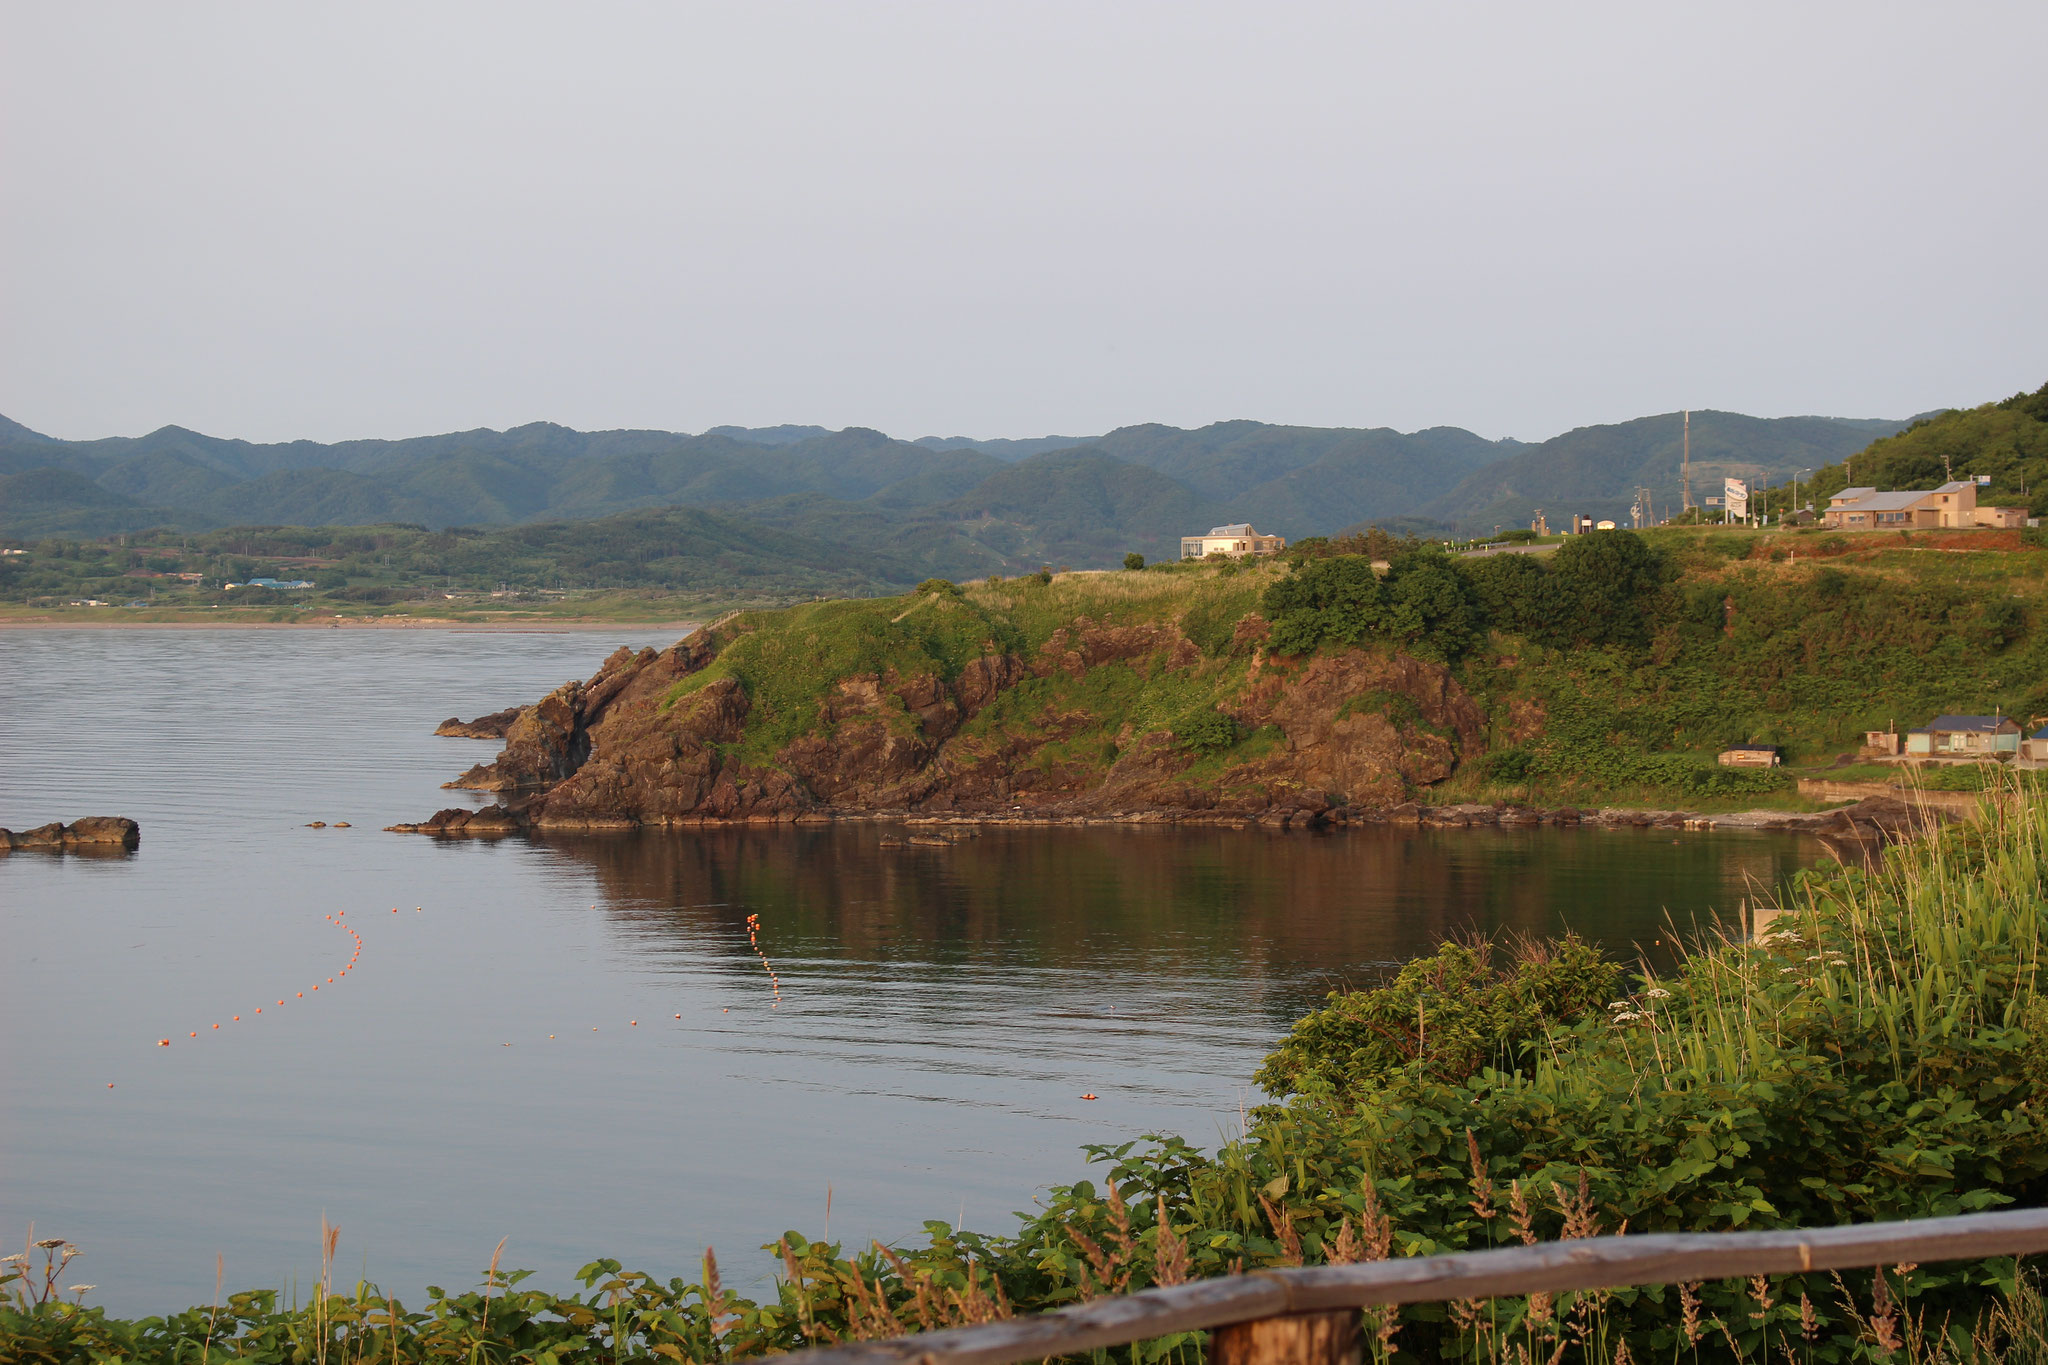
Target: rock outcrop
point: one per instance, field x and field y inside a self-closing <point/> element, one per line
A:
<point x="95" y="834"/>
<point x="492" y="726"/>
<point x="1347" y="737"/>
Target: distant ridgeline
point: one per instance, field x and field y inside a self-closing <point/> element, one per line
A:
<point x="894" y="511"/>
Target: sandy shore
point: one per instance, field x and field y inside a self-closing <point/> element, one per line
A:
<point x="535" y="625"/>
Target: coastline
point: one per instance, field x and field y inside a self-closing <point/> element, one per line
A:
<point x="1872" y="820"/>
<point x="530" y="625"/>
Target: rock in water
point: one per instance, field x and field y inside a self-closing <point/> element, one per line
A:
<point x="492" y="726"/>
<point x="96" y="833"/>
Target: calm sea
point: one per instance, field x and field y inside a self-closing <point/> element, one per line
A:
<point x="572" y="1043"/>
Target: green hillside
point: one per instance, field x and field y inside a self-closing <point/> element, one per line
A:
<point x="2008" y="441"/>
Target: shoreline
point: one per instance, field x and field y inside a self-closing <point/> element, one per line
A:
<point x="532" y="625"/>
<point x="1873" y="819"/>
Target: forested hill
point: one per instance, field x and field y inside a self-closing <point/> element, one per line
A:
<point x="1003" y="502"/>
<point x="1596" y="470"/>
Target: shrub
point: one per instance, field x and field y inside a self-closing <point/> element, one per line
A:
<point x="1447" y="1014"/>
<point x="1205" y="730"/>
<point x="1508" y="765"/>
<point x="1134" y="561"/>
<point x="939" y="587"/>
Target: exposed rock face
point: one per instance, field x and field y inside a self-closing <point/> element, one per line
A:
<point x="492" y="726"/>
<point x="1357" y="729"/>
<point x="95" y="833"/>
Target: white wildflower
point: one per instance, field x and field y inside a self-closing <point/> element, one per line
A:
<point x="1658" y="993"/>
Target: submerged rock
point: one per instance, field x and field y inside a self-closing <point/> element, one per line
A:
<point x="95" y="833"/>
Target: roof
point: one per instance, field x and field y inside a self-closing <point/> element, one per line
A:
<point x="2041" y="733"/>
<point x="1977" y="724"/>
<point x="1751" y="749"/>
<point x="1871" y="500"/>
<point x="1239" y="528"/>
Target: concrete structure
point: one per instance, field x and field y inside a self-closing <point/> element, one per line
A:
<point x="1751" y="756"/>
<point x="2005" y="517"/>
<point x="1952" y="506"/>
<point x="1881" y="743"/>
<point x="1965" y="737"/>
<point x="1235" y="540"/>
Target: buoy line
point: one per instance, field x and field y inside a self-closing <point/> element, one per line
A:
<point x="337" y="919"/>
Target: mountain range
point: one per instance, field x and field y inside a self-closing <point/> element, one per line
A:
<point x="952" y="502"/>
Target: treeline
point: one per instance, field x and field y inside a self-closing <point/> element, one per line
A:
<point x="1596" y="589"/>
<point x="673" y="549"/>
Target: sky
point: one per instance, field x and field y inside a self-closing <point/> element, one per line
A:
<point x="1012" y="219"/>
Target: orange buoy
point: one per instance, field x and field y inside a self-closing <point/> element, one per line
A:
<point x="679" y="1016"/>
<point x="163" y="1042"/>
<point x="110" y="1085"/>
<point x="195" y="1033"/>
<point x="238" y="1019"/>
<point x="1087" y="1097"/>
<point x="259" y="1009"/>
<point x="216" y="1025"/>
<point x="302" y="994"/>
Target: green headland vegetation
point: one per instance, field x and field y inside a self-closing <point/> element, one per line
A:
<point x="1879" y="1052"/>
<point x="1609" y="671"/>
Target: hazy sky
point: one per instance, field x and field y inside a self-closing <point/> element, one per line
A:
<point x="362" y="219"/>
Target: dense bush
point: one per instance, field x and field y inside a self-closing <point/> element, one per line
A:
<point x="1598" y="589"/>
<point x="1206" y="730"/>
<point x="1447" y="1014"/>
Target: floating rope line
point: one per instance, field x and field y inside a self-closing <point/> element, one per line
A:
<point x="355" y="955"/>
<point x="754" y="942"/>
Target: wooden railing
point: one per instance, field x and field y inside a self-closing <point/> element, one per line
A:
<point x="1310" y="1315"/>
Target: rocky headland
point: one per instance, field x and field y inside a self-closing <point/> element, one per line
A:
<point x="671" y="738"/>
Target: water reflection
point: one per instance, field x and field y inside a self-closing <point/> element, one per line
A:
<point x="1280" y="916"/>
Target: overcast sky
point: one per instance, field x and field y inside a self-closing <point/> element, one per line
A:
<point x="277" y="221"/>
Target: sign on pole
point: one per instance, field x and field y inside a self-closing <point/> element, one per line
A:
<point x="1736" y="495"/>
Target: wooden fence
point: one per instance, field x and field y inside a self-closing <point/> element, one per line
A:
<point x="1310" y="1315"/>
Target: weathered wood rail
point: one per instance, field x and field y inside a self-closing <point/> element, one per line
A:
<point x="1268" y="1317"/>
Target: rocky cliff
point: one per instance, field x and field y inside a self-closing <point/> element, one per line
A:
<point x="1070" y="728"/>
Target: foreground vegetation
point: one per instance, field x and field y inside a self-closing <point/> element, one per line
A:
<point x="1879" y="1052"/>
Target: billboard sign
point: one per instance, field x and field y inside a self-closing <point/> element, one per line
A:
<point x="1736" y="494"/>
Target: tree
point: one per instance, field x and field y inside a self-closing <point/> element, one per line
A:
<point x="1134" y="561"/>
<point x="1602" y="583"/>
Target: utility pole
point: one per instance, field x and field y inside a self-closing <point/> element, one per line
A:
<point x="1685" y="463"/>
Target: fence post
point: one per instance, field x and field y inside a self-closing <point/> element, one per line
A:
<point x="1296" y="1339"/>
